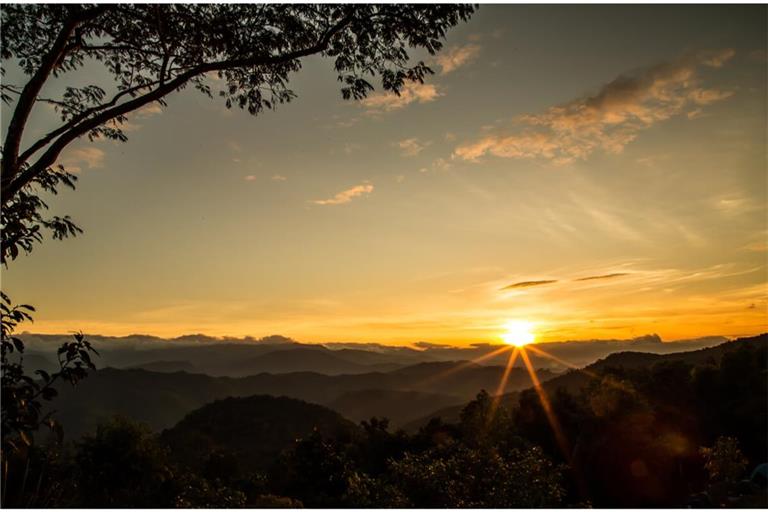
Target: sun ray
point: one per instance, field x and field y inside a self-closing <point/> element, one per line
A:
<point x="556" y="359"/>
<point x="489" y="355"/>
<point x="547" y="406"/>
<point x="465" y="365"/>
<point x="586" y="372"/>
<point x="503" y="382"/>
<point x="507" y="371"/>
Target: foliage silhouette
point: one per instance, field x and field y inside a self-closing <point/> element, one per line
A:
<point x="637" y="430"/>
<point x="724" y="461"/>
<point x="122" y="465"/>
<point x="22" y="394"/>
<point x="636" y="434"/>
<point x="151" y="51"/>
<point x="248" y="431"/>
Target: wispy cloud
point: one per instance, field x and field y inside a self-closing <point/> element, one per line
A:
<point x="412" y="146"/>
<point x="528" y="284"/>
<point x="736" y="203"/>
<point x="602" y="276"/>
<point x="756" y="247"/>
<point x="609" y="119"/>
<point x="75" y="159"/>
<point x="437" y="165"/>
<point x="251" y="177"/>
<point x="453" y="58"/>
<point x="278" y="177"/>
<point x="346" y="196"/>
<point x="717" y="59"/>
<point x="412" y="92"/>
<point x="149" y="110"/>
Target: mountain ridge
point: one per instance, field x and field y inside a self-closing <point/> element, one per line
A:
<point x="575" y="378"/>
<point x="277" y="354"/>
<point x="161" y="399"/>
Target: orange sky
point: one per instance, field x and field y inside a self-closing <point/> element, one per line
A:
<point x="588" y="178"/>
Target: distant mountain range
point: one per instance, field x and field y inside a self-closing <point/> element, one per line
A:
<point x="240" y="357"/>
<point x="165" y="391"/>
<point x="161" y="399"/>
<point x="573" y="380"/>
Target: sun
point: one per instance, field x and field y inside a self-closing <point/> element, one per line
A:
<point x="518" y="333"/>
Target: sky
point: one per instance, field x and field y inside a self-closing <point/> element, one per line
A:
<point x="599" y="171"/>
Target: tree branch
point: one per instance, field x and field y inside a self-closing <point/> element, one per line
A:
<point x="27" y="100"/>
<point x="42" y="142"/>
<point x="10" y="167"/>
<point x="50" y="156"/>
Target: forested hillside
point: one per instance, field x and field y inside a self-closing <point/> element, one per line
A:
<point x="631" y="430"/>
<point x="161" y="399"/>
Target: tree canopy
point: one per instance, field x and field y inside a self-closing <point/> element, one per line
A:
<point x="150" y="51"/>
<point x="145" y="53"/>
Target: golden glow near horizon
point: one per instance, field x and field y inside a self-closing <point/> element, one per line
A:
<point x="518" y="333"/>
<point x="527" y="185"/>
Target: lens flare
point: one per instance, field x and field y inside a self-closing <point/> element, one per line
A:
<point x="518" y="333"/>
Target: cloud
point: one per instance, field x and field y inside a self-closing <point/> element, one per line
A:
<point x="716" y="59"/>
<point x="250" y="177"/>
<point x="608" y="120"/>
<point x="149" y="110"/>
<point x="412" y="146"/>
<point x="453" y="58"/>
<point x="438" y="165"/>
<point x="412" y="92"/>
<point x="428" y="345"/>
<point x="278" y="177"/>
<point x="74" y="159"/>
<point x="756" y="247"/>
<point x="693" y="114"/>
<point x="346" y="196"/>
<point x="733" y="204"/>
<point x="526" y="145"/>
<point x="708" y="96"/>
<point x="528" y="284"/>
<point x="213" y="75"/>
<point x="602" y="276"/>
<point x="613" y="222"/>
<point x="128" y="125"/>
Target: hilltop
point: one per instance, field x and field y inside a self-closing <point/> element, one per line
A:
<point x="574" y="380"/>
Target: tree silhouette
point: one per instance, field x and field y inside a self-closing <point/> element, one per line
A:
<point x="724" y="461"/>
<point x="151" y="51"/>
<point x="123" y="464"/>
<point x="22" y="394"/>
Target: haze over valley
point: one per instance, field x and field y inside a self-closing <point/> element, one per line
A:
<point x="351" y="256"/>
